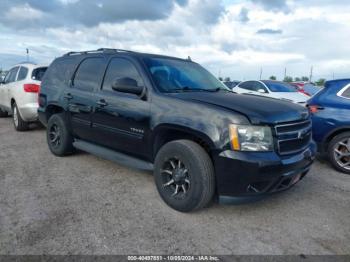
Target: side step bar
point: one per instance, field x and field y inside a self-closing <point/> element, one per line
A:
<point x="112" y="155"/>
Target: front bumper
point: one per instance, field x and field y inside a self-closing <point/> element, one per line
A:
<point x="256" y="174"/>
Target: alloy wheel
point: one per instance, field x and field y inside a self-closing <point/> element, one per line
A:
<point x="342" y="153"/>
<point x="55" y="135"/>
<point x="176" y="178"/>
<point x="15" y="116"/>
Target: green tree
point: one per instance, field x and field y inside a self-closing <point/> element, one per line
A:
<point x="305" y="79"/>
<point x="321" y="82"/>
<point x="220" y="78"/>
<point x="227" y="79"/>
<point x="273" y="78"/>
<point x="297" y="79"/>
<point x="288" y="79"/>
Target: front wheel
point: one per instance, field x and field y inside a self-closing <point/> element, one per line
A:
<point x="184" y="175"/>
<point x="339" y="152"/>
<point x="18" y="122"/>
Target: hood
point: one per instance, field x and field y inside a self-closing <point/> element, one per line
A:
<point x="258" y="109"/>
<point x="296" y="97"/>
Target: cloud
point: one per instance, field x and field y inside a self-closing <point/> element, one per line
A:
<point x="243" y="15"/>
<point x="88" y="13"/>
<point x="273" y="5"/>
<point x="269" y="31"/>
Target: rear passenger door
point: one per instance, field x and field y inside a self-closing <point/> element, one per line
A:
<point x="6" y="89"/>
<point x="80" y="96"/>
<point x="120" y="120"/>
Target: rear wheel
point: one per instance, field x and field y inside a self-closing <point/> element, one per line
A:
<point x="184" y="175"/>
<point x="3" y="113"/>
<point x="339" y="152"/>
<point x="59" y="139"/>
<point x="18" y="122"/>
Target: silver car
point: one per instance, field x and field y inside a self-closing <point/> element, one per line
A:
<point x="19" y="94"/>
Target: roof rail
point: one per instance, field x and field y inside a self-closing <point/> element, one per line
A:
<point x="100" y="50"/>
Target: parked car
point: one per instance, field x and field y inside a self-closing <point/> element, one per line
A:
<point x="19" y="94"/>
<point x="330" y="110"/>
<point x="231" y="84"/>
<point x="172" y="116"/>
<point x="273" y="89"/>
<point x="306" y="88"/>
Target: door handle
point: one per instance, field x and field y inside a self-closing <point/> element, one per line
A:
<point x="102" y="103"/>
<point x="68" y="96"/>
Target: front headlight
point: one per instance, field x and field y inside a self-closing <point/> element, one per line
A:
<point x="251" y="138"/>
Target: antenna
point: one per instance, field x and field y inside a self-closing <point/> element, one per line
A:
<point x="311" y="72"/>
<point x="27" y="51"/>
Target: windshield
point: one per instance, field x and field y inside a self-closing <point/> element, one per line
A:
<point x="172" y="75"/>
<point x="280" y="87"/>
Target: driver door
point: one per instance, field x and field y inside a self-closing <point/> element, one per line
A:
<point x="121" y="121"/>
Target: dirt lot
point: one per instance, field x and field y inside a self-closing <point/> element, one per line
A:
<point x="85" y="205"/>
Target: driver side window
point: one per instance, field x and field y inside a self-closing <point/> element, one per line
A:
<point x="120" y="68"/>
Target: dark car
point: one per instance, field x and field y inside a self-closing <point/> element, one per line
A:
<point x="231" y="84"/>
<point x="330" y="110"/>
<point x="172" y="116"/>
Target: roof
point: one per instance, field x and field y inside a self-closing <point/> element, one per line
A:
<point x="111" y="51"/>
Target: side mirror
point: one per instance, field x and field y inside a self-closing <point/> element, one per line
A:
<point x="262" y="91"/>
<point x="127" y="85"/>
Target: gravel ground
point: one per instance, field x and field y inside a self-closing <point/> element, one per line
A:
<point x="85" y="205"/>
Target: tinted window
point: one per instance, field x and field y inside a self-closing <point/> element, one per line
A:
<point x="23" y="71"/>
<point x="11" y="76"/>
<point x="249" y="85"/>
<point x="119" y="68"/>
<point x="173" y="75"/>
<point x="60" y="72"/>
<point x="280" y="87"/>
<point x="38" y="73"/>
<point x="89" y="74"/>
<point x="346" y="93"/>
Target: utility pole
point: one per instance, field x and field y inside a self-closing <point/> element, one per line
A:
<point x="27" y="50"/>
<point x="285" y="73"/>
<point x="261" y="71"/>
<point x="333" y="75"/>
<point x="311" y="72"/>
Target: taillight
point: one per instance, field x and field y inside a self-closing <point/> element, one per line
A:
<point x="314" y="108"/>
<point x="31" y="88"/>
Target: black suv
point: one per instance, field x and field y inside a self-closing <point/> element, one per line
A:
<point x="172" y="116"/>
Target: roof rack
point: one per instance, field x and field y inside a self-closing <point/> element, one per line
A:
<point x="100" y="50"/>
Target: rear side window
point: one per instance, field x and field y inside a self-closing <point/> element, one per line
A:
<point x="60" y="72"/>
<point x="23" y="72"/>
<point x="119" y="68"/>
<point x="346" y="93"/>
<point x="38" y="73"/>
<point x="89" y="74"/>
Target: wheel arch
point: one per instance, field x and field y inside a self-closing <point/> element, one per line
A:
<point x="165" y="133"/>
<point x="334" y="133"/>
<point x="52" y="109"/>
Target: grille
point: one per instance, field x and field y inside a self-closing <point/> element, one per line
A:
<point x="293" y="137"/>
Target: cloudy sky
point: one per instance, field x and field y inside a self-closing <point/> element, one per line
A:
<point x="230" y="37"/>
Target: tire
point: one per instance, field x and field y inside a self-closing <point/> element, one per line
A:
<point x="18" y="122"/>
<point x="339" y="152"/>
<point x="3" y="113"/>
<point x="196" y="187"/>
<point x="59" y="138"/>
